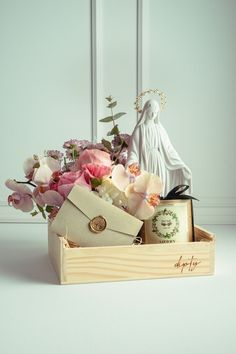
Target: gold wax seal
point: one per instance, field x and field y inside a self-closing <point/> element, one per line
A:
<point x="98" y="224"/>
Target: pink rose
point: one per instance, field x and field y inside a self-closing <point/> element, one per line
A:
<point x="22" y="196"/>
<point x="95" y="163"/>
<point x="69" y="179"/>
<point x="97" y="171"/>
<point x="95" y="157"/>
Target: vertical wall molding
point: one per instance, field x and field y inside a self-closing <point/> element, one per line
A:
<point x="93" y="19"/>
<point x="139" y="61"/>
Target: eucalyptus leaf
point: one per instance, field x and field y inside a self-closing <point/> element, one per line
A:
<point x="114" y="131"/>
<point x="107" y="144"/>
<point x="109" y="98"/>
<point x="34" y="213"/>
<point x="112" y="104"/>
<point x="110" y="118"/>
<point x="118" y="115"/>
<point x="106" y="119"/>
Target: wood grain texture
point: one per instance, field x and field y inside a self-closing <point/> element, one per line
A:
<point x="99" y="264"/>
<point x="55" y="250"/>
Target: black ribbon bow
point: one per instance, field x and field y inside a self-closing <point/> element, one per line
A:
<point x="177" y="193"/>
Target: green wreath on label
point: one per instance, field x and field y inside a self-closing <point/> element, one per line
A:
<point x="173" y="216"/>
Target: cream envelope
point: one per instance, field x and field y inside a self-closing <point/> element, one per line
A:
<point x="89" y="221"/>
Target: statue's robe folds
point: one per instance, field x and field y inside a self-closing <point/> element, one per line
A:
<point x="150" y="146"/>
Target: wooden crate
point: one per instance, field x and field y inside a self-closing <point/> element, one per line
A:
<point x="100" y="264"/>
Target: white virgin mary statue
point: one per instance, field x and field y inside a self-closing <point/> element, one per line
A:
<point x="151" y="148"/>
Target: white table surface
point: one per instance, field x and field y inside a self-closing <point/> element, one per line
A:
<point x="174" y="316"/>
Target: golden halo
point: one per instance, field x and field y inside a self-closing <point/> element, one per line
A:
<point x="137" y="102"/>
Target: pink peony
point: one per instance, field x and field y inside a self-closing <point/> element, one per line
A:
<point x="95" y="163"/>
<point x="97" y="171"/>
<point x="69" y="179"/>
<point x="95" y="157"/>
<point x="22" y="196"/>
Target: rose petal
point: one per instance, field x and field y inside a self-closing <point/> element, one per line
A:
<point x="97" y="171"/>
<point x="84" y="181"/>
<point x="94" y="156"/>
<point x="65" y="189"/>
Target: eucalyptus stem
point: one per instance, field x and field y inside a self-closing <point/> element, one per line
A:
<point x="112" y="114"/>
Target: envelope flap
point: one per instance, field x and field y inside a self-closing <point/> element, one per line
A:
<point x="91" y="205"/>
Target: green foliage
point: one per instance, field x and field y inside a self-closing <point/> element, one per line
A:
<point x="107" y="144"/>
<point x="114" y="131"/>
<point x="41" y="211"/>
<point x="109" y="98"/>
<point x="106" y="120"/>
<point x="48" y="208"/>
<point x="34" y="213"/>
<point x="112" y="104"/>
<point x="96" y="182"/>
<point x="112" y="118"/>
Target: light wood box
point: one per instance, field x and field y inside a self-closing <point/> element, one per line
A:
<point x="147" y="261"/>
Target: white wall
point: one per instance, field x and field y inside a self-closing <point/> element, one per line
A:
<point x="60" y="57"/>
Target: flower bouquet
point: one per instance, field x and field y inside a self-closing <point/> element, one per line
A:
<point x="99" y="168"/>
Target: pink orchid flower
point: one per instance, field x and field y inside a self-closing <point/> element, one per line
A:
<point x="29" y="165"/>
<point x="122" y="177"/>
<point x="22" y="196"/>
<point x="144" y="195"/>
<point x="44" y="195"/>
<point x="43" y="173"/>
<point x="37" y="196"/>
<point x="52" y="198"/>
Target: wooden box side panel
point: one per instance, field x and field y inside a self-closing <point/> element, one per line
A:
<point x="84" y="265"/>
<point x="55" y="251"/>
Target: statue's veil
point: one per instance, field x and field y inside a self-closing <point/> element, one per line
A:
<point x="143" y="117"/>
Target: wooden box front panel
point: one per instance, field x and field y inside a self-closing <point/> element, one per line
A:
<point x="96" y="264"/>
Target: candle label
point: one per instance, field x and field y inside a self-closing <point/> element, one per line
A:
<point x="165" y="224"/>
<point x="170" y="223"/>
